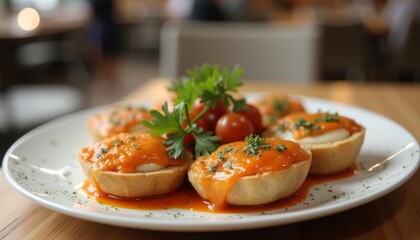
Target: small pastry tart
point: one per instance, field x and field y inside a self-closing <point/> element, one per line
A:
<point x="274" y="107"/>
<point x="131" y="165"/>
<point x="117" y="119"/>
<point x="335" y="141"/>
<point x="252" y="172"/>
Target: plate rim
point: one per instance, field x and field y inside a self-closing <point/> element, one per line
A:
<point x="190" y="225"/>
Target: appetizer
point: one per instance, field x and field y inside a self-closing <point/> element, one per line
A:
<point x="251" y="172"/>
<point x="117" y="119"/>
<point x="334" y="140"/>
<point x="274" y="107"/>
<point x="133" y="165"/>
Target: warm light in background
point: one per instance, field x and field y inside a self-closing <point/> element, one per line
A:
<point x="28" y="19"/>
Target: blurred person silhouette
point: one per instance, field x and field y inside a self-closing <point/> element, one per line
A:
<point x="207" y="10"/>
<point x="400" y="15"/>
<point x="103" y="37"/>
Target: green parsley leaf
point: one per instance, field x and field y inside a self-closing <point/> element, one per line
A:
<point x="209" y="83"/>
<point x="205" y="143"/>
<point x="176" y="144"/>
<point x="167" y="122"/>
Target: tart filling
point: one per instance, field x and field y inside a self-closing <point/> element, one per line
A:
<point x="334" y="140"/>
<point x="132" y="165"/>
<point x="252" y="172"/>
<point x="117" y="119"/>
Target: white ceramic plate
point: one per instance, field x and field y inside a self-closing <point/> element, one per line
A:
<point x="42" y="166"/>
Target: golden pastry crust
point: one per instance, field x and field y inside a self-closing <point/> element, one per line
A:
<point x="261" y="188"/>
<point x="328" y="158"/>
<point x="131" y="185"/>
<point x="284" y="174"/>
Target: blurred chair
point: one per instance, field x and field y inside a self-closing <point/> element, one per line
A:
<point x="37" y="96"/>
<point x="407" y="57"/>
<point x="52" y="60"/>
<point x="266" y="51"/>
<point x="343" y="49"/>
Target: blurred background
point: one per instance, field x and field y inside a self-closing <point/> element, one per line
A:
<point x="61" y="56"/>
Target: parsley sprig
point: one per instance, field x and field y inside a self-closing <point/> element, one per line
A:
<point x="209" y="84"/>
<point x="170" y="123"/>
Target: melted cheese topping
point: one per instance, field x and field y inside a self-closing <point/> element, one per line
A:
<point x="316" y="128"/>
<point x="218" y="172"/>
<point x="118" y="119"/>
<point x="335" y="135"/>
<point x="129" y="153"/>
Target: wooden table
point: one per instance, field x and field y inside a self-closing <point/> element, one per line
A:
<point x="394" y="216"/>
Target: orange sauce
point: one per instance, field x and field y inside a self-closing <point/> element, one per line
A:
<point x="278" y="106"/>
<point x="116" y="120"/>
<point x="304" y="124"/>
<point x="126" y="151"/>
<point x="219" y="171"/>
<point x="187" y="198"/>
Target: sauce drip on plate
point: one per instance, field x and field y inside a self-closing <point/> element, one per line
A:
<point x="187" y="198"/>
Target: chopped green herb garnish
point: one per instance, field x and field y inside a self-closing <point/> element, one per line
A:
<point x="221" y="155"/>
<point x="280" y="107"/>
<point x="301" y="122"/>
<point x="227" y="164"/>
<point x="331" y="117"/>
<point x="230" y="149"/>
<point x="131" y="138"/>
<point x="282" y="127"/>
<point x="213" y="167"/>
<point x="102" y="151"/>
<point x="281" y="147"/>
<point x="254" y="145"/>
<point x="116" y="143"/>
<point x="135" y="146"/>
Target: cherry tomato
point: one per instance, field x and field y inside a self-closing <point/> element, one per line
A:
<point x="213" y="115"/>
<point x="233" y="127"/>
<point x="254" y="116"/>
